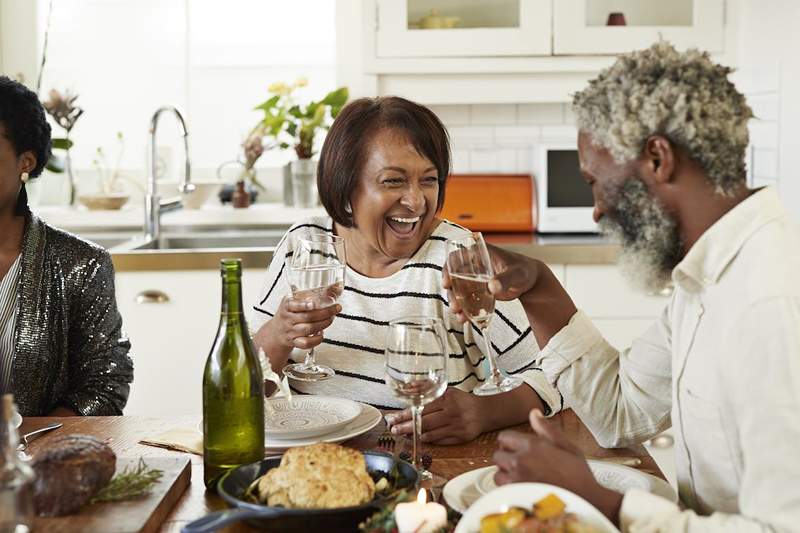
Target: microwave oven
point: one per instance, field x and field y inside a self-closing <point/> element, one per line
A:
<point x="565" y="201"/>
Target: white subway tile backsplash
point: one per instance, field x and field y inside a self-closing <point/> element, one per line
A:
<point x="452" y="115"/>
<point x="765" y="106"/>
<point x="525" y="160"/>
<point x="540" y="113"/>
<point x="763" y="134"/>
<point x="484" y="160"/>
<point x="493" y="114"/>
<point x="466" y="136"/>
<point x="517" y="135"/>
<point x="507" y="161"/>
<point x="560" y="134"/>
<point x="765" y="164"/>
<point x="460" y="163"/>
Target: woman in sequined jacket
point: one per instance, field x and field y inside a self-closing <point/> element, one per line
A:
<point x="62" y="349"/>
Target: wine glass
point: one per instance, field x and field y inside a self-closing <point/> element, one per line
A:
<point x="316" y="274"/>
<point x="470" y="269"/>
<point x="416" y="371"/>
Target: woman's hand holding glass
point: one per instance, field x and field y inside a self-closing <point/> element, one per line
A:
<point x="454" y="418"/>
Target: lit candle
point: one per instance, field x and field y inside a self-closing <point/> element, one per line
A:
<point x="420" y="517"/>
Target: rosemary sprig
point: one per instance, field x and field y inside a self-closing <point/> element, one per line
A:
<point x="129" y="484"/>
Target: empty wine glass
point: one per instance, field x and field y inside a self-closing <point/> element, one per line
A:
<point x="316" y="274"/>
<point x="470" y="269"/>
<point x="416" y="371"/>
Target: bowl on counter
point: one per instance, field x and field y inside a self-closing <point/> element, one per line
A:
<point x="202" y="192"/>
<point x="97" y="202"/>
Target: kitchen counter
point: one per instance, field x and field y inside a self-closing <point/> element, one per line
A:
<point x="552" y="249"/>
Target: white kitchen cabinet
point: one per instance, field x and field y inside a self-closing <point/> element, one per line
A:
<point x="620" y="312"/>
<point x="170" y="340"/>
<point x="480" y="28"/>
<point x="579" y="26"/>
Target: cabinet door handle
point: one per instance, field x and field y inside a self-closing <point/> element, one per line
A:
<point x="152" y="296"/>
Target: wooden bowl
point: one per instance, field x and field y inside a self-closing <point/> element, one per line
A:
<point x="109" y="202"/>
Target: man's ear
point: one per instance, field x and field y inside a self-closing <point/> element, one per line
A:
<point x="659" y="159"/>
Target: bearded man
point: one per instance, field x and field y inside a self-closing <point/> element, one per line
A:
<point x="662" y="143"/>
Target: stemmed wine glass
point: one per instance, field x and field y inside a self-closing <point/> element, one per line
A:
<point x="416" y="371"/>
<point x="316" y="274"/>
<point x="470" y="269"/>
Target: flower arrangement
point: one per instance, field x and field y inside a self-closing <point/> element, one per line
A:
<point x="65" y="113"/>
<point x="109" y="176"/>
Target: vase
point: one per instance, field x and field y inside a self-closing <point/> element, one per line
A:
<point x="71" y="188"/>
<point x="304" y="183"/>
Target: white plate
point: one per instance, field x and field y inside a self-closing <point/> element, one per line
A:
<point x="17" y="418"/>
<point x="307" y="416"/>
<point x="525" y="495"/>
<point x="365" y="421"/>
<point x="611" y="476"/>
<point x="462" y="491"/>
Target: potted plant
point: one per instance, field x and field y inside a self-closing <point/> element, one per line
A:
<point x="110" y="194"/>
<point x="292" y="125"/>
<point x="65" y="113"/>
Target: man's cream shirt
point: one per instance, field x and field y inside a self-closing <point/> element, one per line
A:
<point x="721" y="365"/>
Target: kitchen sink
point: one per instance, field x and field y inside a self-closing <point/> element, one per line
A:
<point x="205" y="240"/>
<point x="108" y="240"/>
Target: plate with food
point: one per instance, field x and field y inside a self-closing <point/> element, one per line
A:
<point x="611" y="476"/>
<point x="533" y="507"/>
<point x="307" y="416"/>
<point x="319" y="487"/>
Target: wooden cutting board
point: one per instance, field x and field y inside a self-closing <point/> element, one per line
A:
<point x="143" y="515"/>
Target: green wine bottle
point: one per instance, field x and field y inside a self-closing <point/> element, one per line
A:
<point x="233" y="388"/>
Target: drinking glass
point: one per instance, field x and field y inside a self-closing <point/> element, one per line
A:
<point x="470" y="269"/>
<point x="416" y="370"/>
<point x="316" y="274"/>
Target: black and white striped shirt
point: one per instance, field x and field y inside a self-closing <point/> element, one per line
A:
<point x="354" y="344"/>
<point x="8" y="322"/>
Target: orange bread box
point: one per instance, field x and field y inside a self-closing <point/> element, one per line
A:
<point x="491" y="202"/>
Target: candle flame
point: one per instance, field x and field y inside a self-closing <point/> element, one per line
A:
<point x="421" y="496"/>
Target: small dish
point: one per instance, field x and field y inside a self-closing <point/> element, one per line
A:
<point x="307" y="416"/>
<point x="525" y="495"/>
<point x="611" y="476"/>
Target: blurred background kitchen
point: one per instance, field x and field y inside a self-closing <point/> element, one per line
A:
<point x="499" y="73"/>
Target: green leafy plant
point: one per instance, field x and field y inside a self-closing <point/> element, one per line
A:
<point x="293" y="125"/>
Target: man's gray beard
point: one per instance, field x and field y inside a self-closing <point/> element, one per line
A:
<point x="651" y="244"/>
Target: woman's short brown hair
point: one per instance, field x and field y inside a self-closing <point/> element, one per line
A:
<point x="344" y="151"/>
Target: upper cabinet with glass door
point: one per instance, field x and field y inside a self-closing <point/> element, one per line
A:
<point x="463" y="28"/>
<point x="585" y="27"/>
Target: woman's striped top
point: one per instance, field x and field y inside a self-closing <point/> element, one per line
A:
<point x="8" y="322"/>
<point x="354" y="344"/>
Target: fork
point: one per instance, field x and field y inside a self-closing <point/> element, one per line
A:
<point x="26" y="438"/>
<point x="386" y="441"/>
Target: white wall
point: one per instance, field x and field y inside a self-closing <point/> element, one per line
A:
<point x="20" y="47"/>
<point x="768" y="45"/>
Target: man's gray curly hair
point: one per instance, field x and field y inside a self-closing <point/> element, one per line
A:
<point x="683" y="96"/>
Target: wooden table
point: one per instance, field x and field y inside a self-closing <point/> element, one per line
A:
<point x="449" y="461"/>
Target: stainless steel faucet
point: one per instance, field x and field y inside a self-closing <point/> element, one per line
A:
<point x="152" y="201"/>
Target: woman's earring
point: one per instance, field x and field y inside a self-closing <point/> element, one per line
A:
<point x="348" y="209"/>
<point x="24" y="177"/>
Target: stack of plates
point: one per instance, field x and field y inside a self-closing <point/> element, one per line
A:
<point x="308" y="419"/>
<point x="463" y="491"/>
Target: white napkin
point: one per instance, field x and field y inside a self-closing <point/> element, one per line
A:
<point x="283" y="384"/>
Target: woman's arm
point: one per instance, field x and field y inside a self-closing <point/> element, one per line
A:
<point x="100" y="370"/>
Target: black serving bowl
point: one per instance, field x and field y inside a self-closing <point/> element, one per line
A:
<point x="232" y="486"/>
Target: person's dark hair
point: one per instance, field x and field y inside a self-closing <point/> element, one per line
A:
<point x="345" y="149"/>
<point x="25" y="126"/>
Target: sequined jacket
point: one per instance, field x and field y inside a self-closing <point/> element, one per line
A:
<point x="70" y="350"/>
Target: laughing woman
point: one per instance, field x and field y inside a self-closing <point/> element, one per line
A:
<point x="62" y="351"/>
<point x="382" y="175"/>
